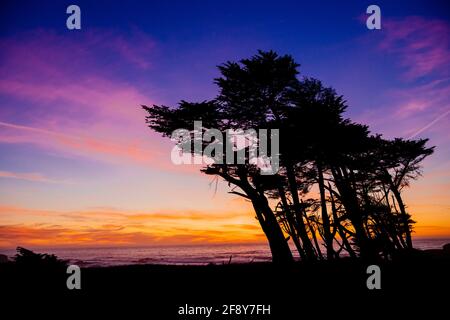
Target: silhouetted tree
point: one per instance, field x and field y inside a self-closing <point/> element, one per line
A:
<point x="358" y="177"/>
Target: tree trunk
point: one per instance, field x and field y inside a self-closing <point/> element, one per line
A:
<point x="325" y="219"/>
<point x="402" y="208"/>
<point x="307" y="245"/>
<point x="281" y="253"/>
<point x="338" y="225"/>
<point x="350" y="202"/>
<point x="291" y="223"/>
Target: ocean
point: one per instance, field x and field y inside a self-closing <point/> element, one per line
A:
<point x="180" y="255"/>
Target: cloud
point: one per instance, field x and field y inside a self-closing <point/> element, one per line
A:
<point x="133" y="48"/>
<point x="46" y="235"/>
<point x="422" y="44"/>
<point x="32" y="176"/>
<point x="136" y="48"/>
<point x="420" y="103"/>
<point x="122" y="217"/>
<point x="99" y="226"/>
<point x="421" y="107"/>
<point x="80" y="144"/>
<point x="430" y="124"/>
<point x="68" y="94"/>
<point x="422" y="97"/>
<point x="56" y="236"/>
<point x="100" y="97"/>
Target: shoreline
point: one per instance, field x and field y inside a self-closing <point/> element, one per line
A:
<point x="175" y="255"/>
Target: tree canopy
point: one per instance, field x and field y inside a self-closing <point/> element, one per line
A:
<point x="339" y="187"/>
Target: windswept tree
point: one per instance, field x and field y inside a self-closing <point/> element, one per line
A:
<point x="338" y="188"/>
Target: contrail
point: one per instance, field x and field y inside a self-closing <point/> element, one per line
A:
<point x="33" y="129"/>
<point x="430" y="124"/>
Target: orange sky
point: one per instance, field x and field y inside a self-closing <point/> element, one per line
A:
<point x="110" y="227"/>
<point x="105" y="226"/>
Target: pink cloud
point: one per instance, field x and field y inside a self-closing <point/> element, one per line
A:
<point x="82" y="144"/>
<point x="433" y="95"/>
<point x="413" y="110"/>
<point x="146" y="150"/>
<point x="78" y="106"/>
<point x="53" y="70"/>
<point x="47" y="49"/>
<point x="135" y="48"/>
<point x="32" y="176"/>
<point x="430" y="124"/>
<point x="422" y="45"/>
<point x="98" y="96"/>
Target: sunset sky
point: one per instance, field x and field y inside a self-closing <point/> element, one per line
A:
<point x="78" y="166"/>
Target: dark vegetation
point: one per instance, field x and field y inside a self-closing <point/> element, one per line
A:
<point x="29" y="270"/>
<point x="414" y="280"/>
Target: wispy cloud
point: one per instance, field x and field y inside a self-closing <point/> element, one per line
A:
<point x="421" y="48"/>
<point x="423" y="45"/>
<point x="430" y="124"/>
<point x="134" y="48"/>
<point x="124" y="217"/>
<point x="31" y="176"/>
<point x="82" y="144"/>
<point x="109" y="235"/>
<point x="115" y="227"/>
<point x="79" y="104"/>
